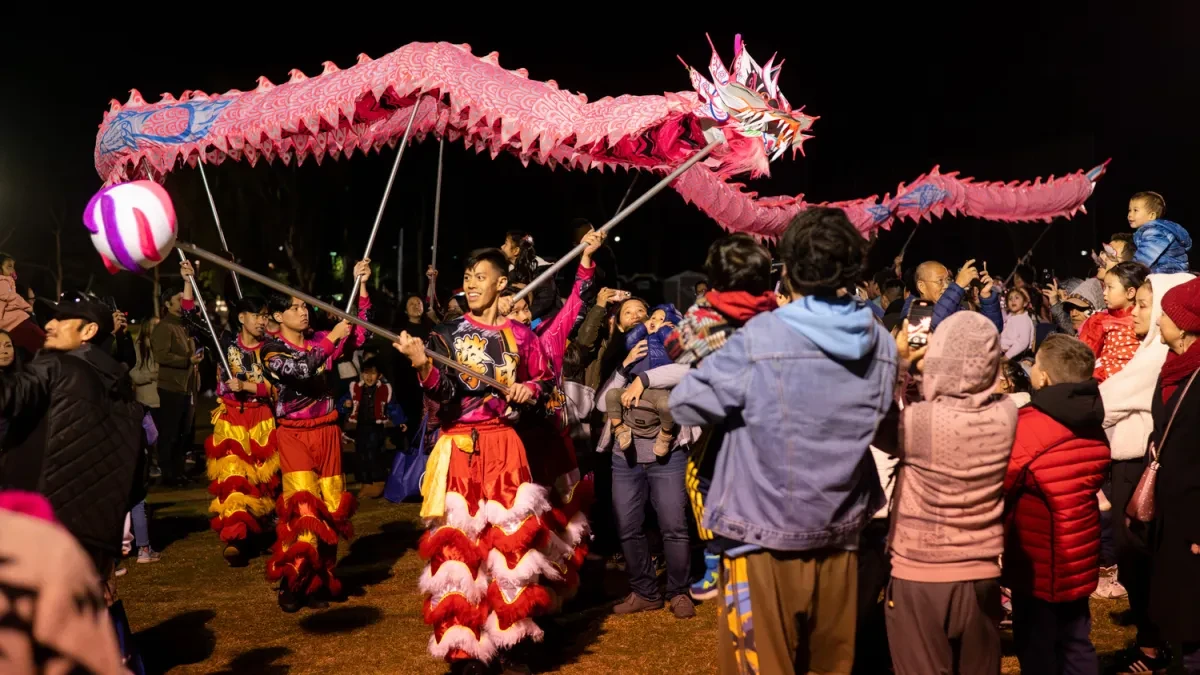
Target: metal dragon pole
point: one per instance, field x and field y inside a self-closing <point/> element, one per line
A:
<point x="217" y="219"/>
<point x="204" y="313"/>
<point x="628" y="191"/>
<point x="1027" y="255"/>
<point x="377" y="330"/>
<point x="437" y="212"/>
<point x="387" y="191"/>
<point x="615" y="220"/>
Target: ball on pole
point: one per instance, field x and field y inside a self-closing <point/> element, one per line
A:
<point x="132" y="225"/>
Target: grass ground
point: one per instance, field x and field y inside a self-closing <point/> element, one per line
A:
<point x="194" y="614"/>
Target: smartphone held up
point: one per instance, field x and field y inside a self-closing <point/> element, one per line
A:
<point x="920" y="323"/>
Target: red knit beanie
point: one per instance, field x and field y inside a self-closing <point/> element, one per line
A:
<point x="1182" y="304"/>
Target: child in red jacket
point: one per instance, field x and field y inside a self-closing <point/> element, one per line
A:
<point x="1110" y="334"/>
<point x="1052" y="539"/>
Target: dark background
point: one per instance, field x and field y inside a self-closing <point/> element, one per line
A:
<point x="1006" y="91"/>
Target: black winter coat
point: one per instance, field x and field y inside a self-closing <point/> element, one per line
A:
<point x="1175" y="583"/>
<point x="74" y="436"/>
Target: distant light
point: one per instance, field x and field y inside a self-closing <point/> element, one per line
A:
<point x="280" y="248"/>
<point x="1083" y="253"/>
<point x="617" y="238"/>
<point x="333" y="253"/>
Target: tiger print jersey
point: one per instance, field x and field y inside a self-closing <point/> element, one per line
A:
<point x="508" y="352"/>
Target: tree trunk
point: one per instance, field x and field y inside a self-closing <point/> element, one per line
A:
<point x="58" y="266"/>
<point x="156" y="290"/>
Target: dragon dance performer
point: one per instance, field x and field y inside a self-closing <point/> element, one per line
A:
<point x="243" y="459"/>
<point x="485" y="514"/>
<point x="546" y="435"/>
<point x="314" y="507"/>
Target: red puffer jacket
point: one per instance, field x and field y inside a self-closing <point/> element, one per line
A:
<point x="1052" y="517"/>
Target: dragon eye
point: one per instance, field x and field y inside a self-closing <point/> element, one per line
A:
<point x="774" y="103"/>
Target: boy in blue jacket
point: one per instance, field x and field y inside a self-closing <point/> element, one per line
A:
<point x="799" y="393"/>
<point x="1162" y="245"/>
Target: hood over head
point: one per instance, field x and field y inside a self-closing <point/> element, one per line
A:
<point x="963" y="360"/>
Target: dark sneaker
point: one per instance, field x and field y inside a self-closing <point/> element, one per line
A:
<point x="288" y="601"/>
<point x="469" y="667"/>
<point x="634" y="603"/>
<point x="1135" y="662"/>
<point x="233" y="556"/>
<point x="682" y="607"/>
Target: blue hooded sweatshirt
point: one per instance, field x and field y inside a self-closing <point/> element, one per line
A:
<point x="1162" y="245"/>
<point x="799" y="392"/>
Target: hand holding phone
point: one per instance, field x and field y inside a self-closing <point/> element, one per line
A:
<point x="920" y="323"/>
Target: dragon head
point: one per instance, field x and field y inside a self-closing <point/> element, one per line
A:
<point x="744" y="102"/>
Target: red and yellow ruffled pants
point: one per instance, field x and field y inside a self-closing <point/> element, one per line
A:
<point x="314" y="508"/>
<point x="243" y="468"/>
<point x="490" y="548"/>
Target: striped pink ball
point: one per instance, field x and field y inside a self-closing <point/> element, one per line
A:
<point x="132" y="225"/>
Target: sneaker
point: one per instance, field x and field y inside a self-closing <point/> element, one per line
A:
<point x="635" y="603"/>
<point x="155" y="472"/>
<point x="624" y="436"/>
<point x="148" y="555"/>
<point x="682" y="607"/>
<point x="708" y="586"/>
<point x="1135" y="662"/>
<point x="233" y="556"/>
<point x="1109" y="589"/>
<point x="469" y="667"/>
<point x="288" y="601"/>
<point x="120" y="572"/>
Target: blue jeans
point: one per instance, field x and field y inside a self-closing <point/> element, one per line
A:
<point x="141" y="527"/>
<point x="660" y="482"/>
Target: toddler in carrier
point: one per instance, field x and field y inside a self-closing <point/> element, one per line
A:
<point x="655" y="331"/>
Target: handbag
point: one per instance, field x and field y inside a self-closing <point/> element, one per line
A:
<point x="404" y="482"/>
<point x="1142" y="506"/>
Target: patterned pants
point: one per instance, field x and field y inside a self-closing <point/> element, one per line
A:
<point x="243" y="468"/>
<point x="764" y="592"/>
<point x="314" y="508"/>
<point x="501" y="548"/>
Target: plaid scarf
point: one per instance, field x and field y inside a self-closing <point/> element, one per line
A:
<point x="709" y="323"/>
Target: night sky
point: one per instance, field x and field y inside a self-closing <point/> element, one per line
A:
<point x="1006" y="93"/>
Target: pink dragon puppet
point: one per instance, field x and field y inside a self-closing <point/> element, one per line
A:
<point x="472" y="99"/>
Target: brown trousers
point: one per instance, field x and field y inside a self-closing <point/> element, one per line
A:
<point x="788" y="613"/>
<point x="944" y="628"/>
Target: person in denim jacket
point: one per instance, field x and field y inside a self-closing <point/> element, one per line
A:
<point x="799" y="391"/>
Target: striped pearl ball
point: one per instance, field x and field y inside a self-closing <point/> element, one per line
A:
<point x="132" y="225"/>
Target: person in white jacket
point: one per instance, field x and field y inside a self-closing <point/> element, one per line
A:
<point x="1127" y="396"/>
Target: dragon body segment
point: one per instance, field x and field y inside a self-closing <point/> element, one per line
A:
<point x="474" y="100"/>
